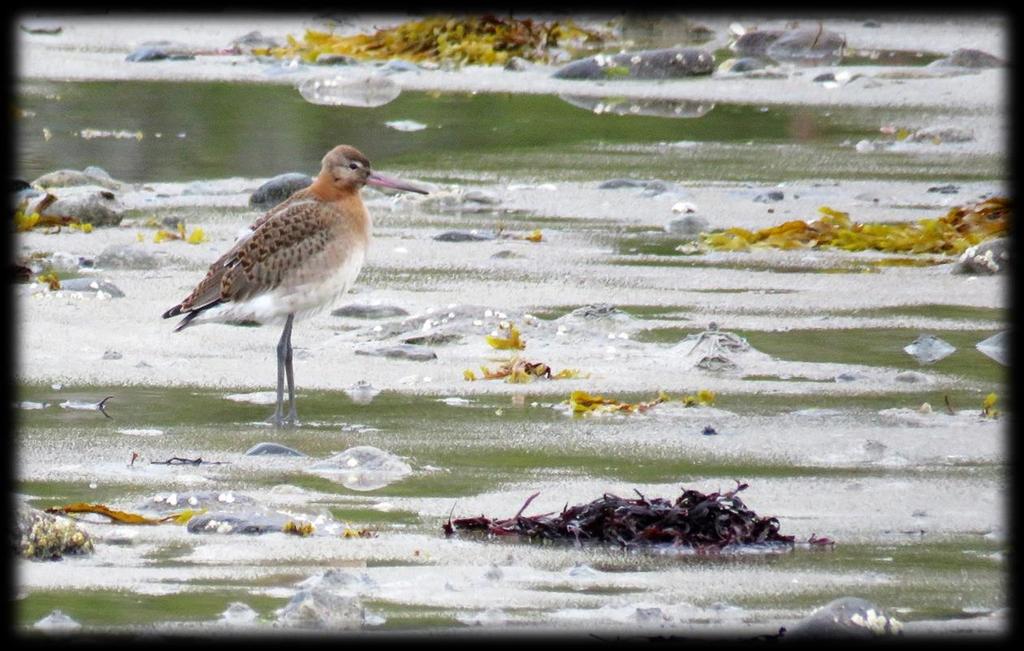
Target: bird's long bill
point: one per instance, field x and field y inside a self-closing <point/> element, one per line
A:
<point x="376" y="178"/>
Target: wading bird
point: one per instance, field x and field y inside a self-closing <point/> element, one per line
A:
<point x="297" y="259"/>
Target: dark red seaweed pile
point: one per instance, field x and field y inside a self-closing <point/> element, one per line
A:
<point x="703" y="522"/>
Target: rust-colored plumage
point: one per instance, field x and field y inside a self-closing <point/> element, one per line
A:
<point x="297" y="258"/>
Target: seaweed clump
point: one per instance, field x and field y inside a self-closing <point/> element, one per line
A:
<point x="487" y="40"/>
<point x="705" y="523"/>
<point x="961" y="228"/>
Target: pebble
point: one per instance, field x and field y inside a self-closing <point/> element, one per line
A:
<point x="462" y="236"/>
<point x="91" y="285"/>
<point x="949" y="188"/>
<point x="928" y="349"/>
<point x="743" y="64"/>
<point x="768" y="197"/>
<point x="112" y="354"/>
<point x="913" y="377"/>
<point x="275" y="449"/>
<point x="331" y="59"/>
<point x="986" y="258"/>
<point x="363" y="468"/>
<point x="247" y="42"/>
<point x="278" y="188"/>
<point x="808" y="47"/>
<point x="46" y="27"/>
<point x="159" y="50"/>
<point x="996" y="347"/>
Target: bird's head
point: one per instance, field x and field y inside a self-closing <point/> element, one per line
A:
<point x="346" y="169"/>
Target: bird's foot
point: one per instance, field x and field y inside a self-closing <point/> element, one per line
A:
<point x="275" y="419"/>
<point x="292" y="420"/>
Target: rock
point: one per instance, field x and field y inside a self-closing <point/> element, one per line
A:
<point x="459" y="201"/>
<point x="74" y="178"/>
<point x="686" y="207"/>
<point x="405" y="125"/>
<point x="277" y="189"/>
<point x="825" y="76"/>
<point x="615" y="184"/>
<point x="846" y="618"/>
<point x="996" y="347"/>
<point x="336" y="580"/>
<point x="517" y="64"/>
<point x="671" y="63"/>
<point x="462" y="236"/>
<point x="662" y="108"/>
<point x="865" y="146"/>
<point x="432" y="339"/>
<point x="690" y="225"/>
<point x="47" y="27"/>
<point x="362" y="392"/>
<point x="163" y="503"/>
<point x="400" y="351"/>
<point x="365" y="311"/>
<point x="37" y="535"/>
<point x="755" y="43"/>
<point x="873" y="24"/>
<point x="238" y="613"/>
<point x="941" y="134"/>
<point x="112" y="354"/>
<point x="990" y="257"/>
<point x="597" y="311"/>
<point x="949" y="188"/>
<point x="255" y="40"/>
<point x="237" y="523"/>
<point x="321" y="608"/>
<point x="275" y="449"/>
<point x="331" y="59"/>
<point x="912" y="377"/>
<point x="743" y="64"/>
<point x="928" y="349"/>
<point x="126" y="256"/>
<point x="505" y="254"/>
<point x="808" y="47"/>
<point x="97" y="208"/>
<point x="91" y="285"/>
<point x="159" y="50"/>
<point x="57" y="622"/>
<point x="363" y="468"/>
<point x="968" y="58"/>
<point x="651" y="188"/>
<point x="769" y="197"/>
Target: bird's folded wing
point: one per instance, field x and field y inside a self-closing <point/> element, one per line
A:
<point x="262" y="260"/>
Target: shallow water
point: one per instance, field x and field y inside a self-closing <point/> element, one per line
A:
<point x="914" y="497"/>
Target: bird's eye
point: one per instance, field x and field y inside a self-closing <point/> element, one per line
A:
<point x="353" y="166"/>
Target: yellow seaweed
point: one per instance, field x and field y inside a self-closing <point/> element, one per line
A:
<point x="512" y="341"/>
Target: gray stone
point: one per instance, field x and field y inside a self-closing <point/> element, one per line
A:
<point x="928" y="349"/>
<point x="126" y="256"/>
<point x="615" y="184"/>
<point x="846" y="617"/>
<point x="320" y="608"/>
<point x="40" y="536"/>
<point x="237" y="523"/>
<point x="74" y="178"/>
<point x="743" y="64"/>
<point x="247" y="42"/>
<point x="273" y="449"/>
<point x="755" y="43"/>
<point x="57" y="622"/>
<point x="968" y="58"/>
<point x="670" y="63"/>
<point x="808" y="47"/>
<point x="986" y="258"/>
<point x="662" y="108"/>
<point x="825" y="76"/>
<point x="949" y="188"/>
<point x="400" y="65"/>
<point x="363" y="468"/>
<point x="331" y="59"/>
<point x="433" y="339"/>
<point x="400" y="351"/>
<point x="996" y="347"/>
<point x="363" y="311"/>
<point x="597" y="311"/>
<point x="277" y="189"/>
<point x="91" y="285"/>
<point x="462" y="236"/>
<point x="688" y="225"/>
<point x="651" y="187"/>
<point x="112" y="354"/>
<point x="770" y="196"/>
<point x="159" y="50"/>
<point x="47" y="27"/>
<point x="97" y="208"/>
<point x="174" y="502"/>
<point x="505" y="254"/>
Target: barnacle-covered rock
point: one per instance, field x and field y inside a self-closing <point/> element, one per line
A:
<point x="41" y="536"/>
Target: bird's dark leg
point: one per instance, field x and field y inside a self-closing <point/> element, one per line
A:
<point x="283" y="352"/>
<point x="293" y="418"/>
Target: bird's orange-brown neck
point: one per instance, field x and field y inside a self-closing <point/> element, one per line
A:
<point x="325" y="189"/>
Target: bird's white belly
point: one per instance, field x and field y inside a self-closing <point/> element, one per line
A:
<point x="302" y="300"/>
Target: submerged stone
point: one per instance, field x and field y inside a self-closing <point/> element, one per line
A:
<point x="339" y="580"/>
<point x="366" y="92"/>
<point x="968" y="58"/>
<point x="928" y="349"/>
<point x="91" y="285"/>
<point x="73" y="178"/>
<point x="365" y="311"/>
<point x="846" y="617"/>
<point x="808" y="47"/>
<point x="689" y="225"/>
<point x="663" y="108"/>
<point x="278" y="188"/>
<point x="275" y="449"/>
<point x="320" y="608"/>
<point x="670" y="63"/>
<point x="238" y="614"/>
<point x="463" y="236"/>
<point x="995" y="347"/>
<point x="237" y="523"/>
<point x="743" y="64"/>
<point x="755" y="43"/>
<point x="363" y="468"/>
<point x="362" y="392"/>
